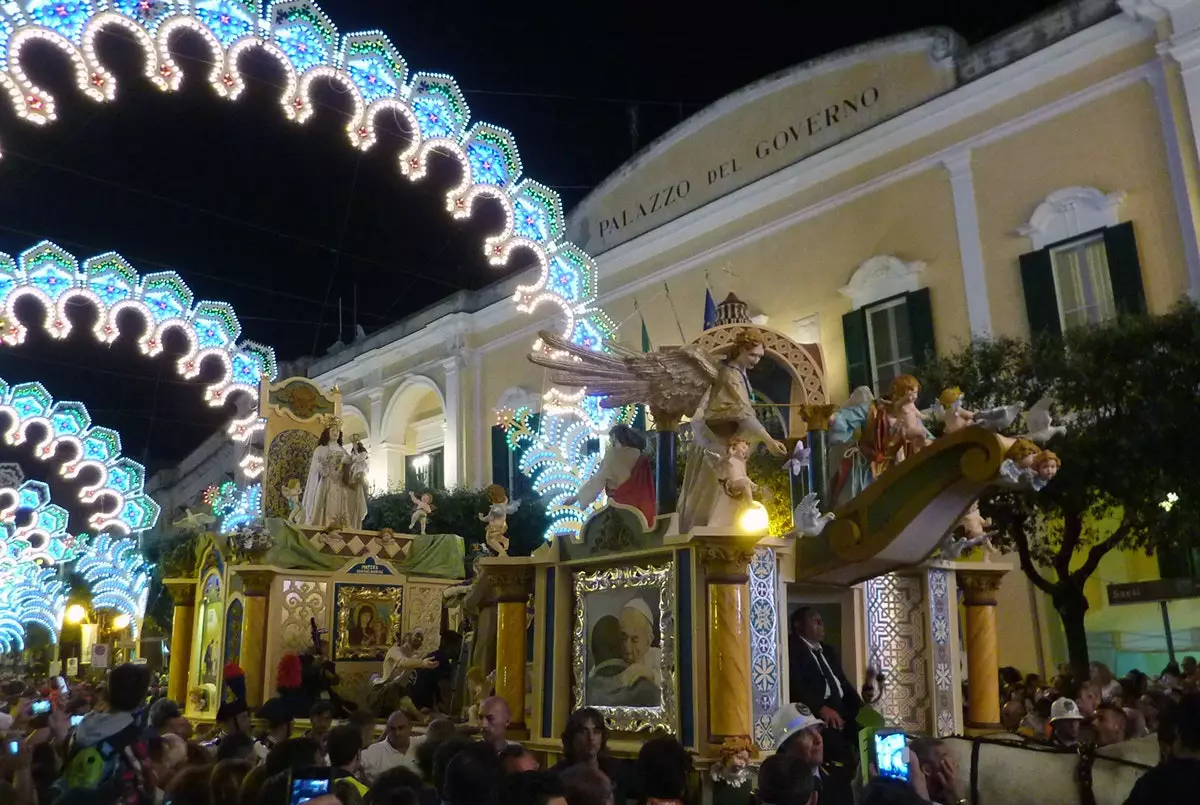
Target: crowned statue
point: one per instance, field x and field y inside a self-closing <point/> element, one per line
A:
<point x="330" y="500"/>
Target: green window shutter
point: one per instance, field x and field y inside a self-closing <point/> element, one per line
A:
<point x="500" y="458"/>
<point x="920" y="325"/>
<point x="858" y="351"/>
<point x="1124" y="270"/>
<point x="1041" y="300"/>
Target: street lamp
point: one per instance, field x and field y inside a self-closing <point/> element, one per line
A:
<point x="76" y="614"/>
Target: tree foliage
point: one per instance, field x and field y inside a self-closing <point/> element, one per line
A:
<point x="456" y="511"/>
<point x="1127" y="393"/>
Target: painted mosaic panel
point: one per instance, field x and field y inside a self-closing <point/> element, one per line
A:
<point x="424" y="611"/>
<point x="943" y="656"/>
<point x="897" y="645"/>
<point x="764" y="645"/>
<point x="302" y="600"/>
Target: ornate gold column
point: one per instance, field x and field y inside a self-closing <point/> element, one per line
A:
<point x="511" y="583"/>
<point x="979" y="586"/>
<point x="183" y="623"/>
<point x="726" y="562"/>
<point x="256" y="584"/>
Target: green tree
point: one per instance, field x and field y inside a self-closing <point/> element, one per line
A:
<point x="1127" y="393"/>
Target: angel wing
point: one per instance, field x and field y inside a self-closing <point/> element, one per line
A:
<point x="512" y="507"/>
<point x="673" y="380"/>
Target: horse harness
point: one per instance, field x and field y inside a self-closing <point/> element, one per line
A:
<point x="1083" y="771"/>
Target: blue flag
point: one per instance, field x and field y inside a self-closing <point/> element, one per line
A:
<point x="710" y="311"/>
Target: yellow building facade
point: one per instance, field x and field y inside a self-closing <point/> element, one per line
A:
<point x="899" y="196"/>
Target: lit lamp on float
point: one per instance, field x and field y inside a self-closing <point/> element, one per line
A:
<point x="76" y="614"/>
<point x="754" y="519"/>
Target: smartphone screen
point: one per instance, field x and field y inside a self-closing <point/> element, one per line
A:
<point x="306" y="788"/>
<point x="891" y="755"/>
<point x="75" y="720"/>
<point x="40" y="707"/>
<point x="14" y="748"/>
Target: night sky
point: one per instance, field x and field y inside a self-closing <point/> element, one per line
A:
<point x="282" y="220"/>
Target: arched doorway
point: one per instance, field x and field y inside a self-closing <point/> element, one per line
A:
<point x="414" y="438"/>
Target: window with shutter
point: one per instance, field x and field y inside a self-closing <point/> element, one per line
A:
<point x="899" y="338"/>
<point x="858" y="358"/>
<point x="1085" y="281"/>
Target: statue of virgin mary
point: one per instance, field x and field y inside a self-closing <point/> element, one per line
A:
<point x="326" y="496"/>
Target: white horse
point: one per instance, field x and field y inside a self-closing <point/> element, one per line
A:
<point x="1005" y="769"/>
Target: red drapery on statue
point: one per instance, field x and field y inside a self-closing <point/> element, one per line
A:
<point x="638" y="490"/>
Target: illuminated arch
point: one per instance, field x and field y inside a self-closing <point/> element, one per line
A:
<point x="44" y="537"/>
<point x="53" y="277"/>
<point x="367" y="67"/>
<point x="30" y="595"/>
<point x="121" y="479"/>
<point x="118" y="576"/>
<point x="234" y="506"/>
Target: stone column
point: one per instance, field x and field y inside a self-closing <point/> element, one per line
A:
<point x="378" y="470"/>
<point x="511" y="583"/>
<point x="979" y="586"/>
<point x="450" y="445"/>
<point x="183" y="593"/>
<point x="256" y="584"/>
<point x="726" y="562"/>
<point x="666" y="488"/>
<point x="816" y="417"/>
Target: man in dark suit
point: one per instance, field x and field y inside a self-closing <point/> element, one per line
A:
<point x="817" y="680"/>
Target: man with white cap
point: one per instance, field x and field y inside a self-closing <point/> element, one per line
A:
<point x="797" y="732"/>
<point x="1065" y="722"/>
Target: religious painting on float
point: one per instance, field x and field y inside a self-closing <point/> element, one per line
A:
<point x="210" y="631"/>
<point x="623" y="645"/>
<point x="368" y="617"/>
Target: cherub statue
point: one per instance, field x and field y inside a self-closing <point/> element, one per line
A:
<point x="291" y="493"/>
<point x="1045" y="466"/>
<point x="497" y="519"/>
<point x="1017" y="467"/>
<point x="424" y="508"/>
<point x="736" y="485"/>
<point x="807" y="520"/>
<point x="733" y="769"/>
<point x="907" y="424"/>
<point x="949" y="408"/>
<point x="973" y="526"/>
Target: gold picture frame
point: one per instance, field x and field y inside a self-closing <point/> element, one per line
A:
<point x="621" y="614"/>
<point x="368" y="617"/>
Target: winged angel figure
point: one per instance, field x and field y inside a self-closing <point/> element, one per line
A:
<point x="674" y="382"/>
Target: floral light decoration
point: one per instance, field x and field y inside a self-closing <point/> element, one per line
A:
<point x="235" y="506"/>
<point x="369" y="70"/>
<point x="118" y="576"/>
<point x="52" y="276"/>
<point x="121" y="485"/>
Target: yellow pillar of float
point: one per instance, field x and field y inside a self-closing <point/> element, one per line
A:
<point x="183" y="593"/>
<point x="979" y="586"/>
<point x="511" y="583"/>
<point x="257" y="588"/>
<point x="726" y="562"/>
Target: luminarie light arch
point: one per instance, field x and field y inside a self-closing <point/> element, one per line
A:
<point x="118" y="576"/>
<point x="30" y="595"/>
<point x="54" y="278"/>
<point x="121" y="479"/>
<point x="308" y="47"/>
<point x="44" y="538"/>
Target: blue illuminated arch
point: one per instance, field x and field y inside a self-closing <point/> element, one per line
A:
<point x="118" y="576"/>
<point x="54" y="278"/>
<point x="30" y="595"/>
<point x="121" y="479"/>
<point x="376" y="78"/>
<point x="44" y="537"/>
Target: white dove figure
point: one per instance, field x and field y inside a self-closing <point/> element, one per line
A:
<point x="954" y="547"/>
<point x="1040" y="424"/>
<point x="195" y="521"/>
<point x="999" y="418"/>
<point x="807" y="520"/>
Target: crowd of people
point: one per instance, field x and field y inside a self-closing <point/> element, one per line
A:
<point x="1101" y="710"/>
<point x="123" y="743"/>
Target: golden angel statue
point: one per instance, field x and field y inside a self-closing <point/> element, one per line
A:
<point x="674" y="382"/>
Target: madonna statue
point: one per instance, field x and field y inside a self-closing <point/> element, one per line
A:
<point x="326" y="495"/>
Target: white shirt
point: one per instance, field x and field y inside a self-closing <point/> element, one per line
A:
<point x="819" y="656"/>
<point x="381" y="756"/>
<point x="390" y="660"/>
